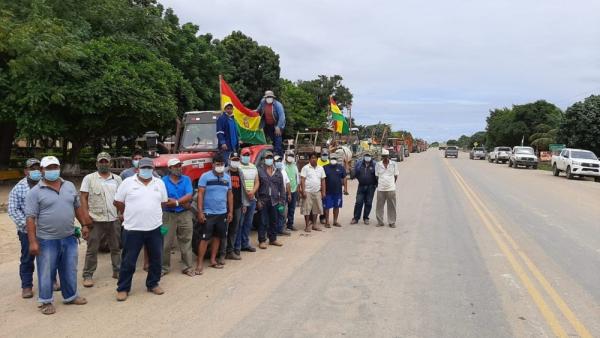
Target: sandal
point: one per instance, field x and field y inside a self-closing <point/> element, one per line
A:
<point x="336" y="224"/>
<point x="48" y="309"/>
<point x="189" y="272"/>
<point x="327" y="225"/>
<point x="198" y="272"/>
<point x="216" y="266"/>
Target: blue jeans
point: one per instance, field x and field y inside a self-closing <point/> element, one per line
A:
<point x="57" y="255"/>
<point x="27" y="266"/>
<point x="291" y="210"/>
<point x="277" y="140"/>
<point x="133" y="241"/>
<point x="268" y="224"/>
<point x="364" y="195"/>
<point x="242" y="239"/>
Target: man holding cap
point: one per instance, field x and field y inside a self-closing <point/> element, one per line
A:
<point x="97" y="197"/>
<point x="272" y="120"/>
<point x="227" y="132"/>
<point x="177" y="218"/>
<point x="16" y="212"/>
<point x="51" y="207"/>
<point x="271" y="199"/>
<point x="335" y="179"/>
<point x="140" y="199"/>
<point x="288" y="196"/>
<point x="364" y="171"/>
<point x="387" y="174"/>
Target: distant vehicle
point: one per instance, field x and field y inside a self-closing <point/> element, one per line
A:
<point x="477" y="153"/>
<point x="451" y="151"/>
<point x="442" y="147"/>
<point x="576" y="162"/>
<point x="523" y="156"/>
<point x="499" y="154"/>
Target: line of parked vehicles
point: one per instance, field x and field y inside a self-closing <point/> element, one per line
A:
<point x="573" y="162"/>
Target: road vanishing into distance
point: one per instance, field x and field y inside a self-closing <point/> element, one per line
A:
<point x="481" y="250"/>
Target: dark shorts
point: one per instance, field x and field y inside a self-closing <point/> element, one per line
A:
<point x="215" y="226"/>
<point x="332" y="201"/>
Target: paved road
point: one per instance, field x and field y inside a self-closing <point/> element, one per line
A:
<point x="481" y="251"/>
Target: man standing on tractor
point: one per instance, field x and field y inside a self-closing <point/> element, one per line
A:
<point x="272" y="120"/>
<point x="227" y="132"/>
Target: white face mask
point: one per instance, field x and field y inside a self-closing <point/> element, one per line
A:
<point x="290" y="159"/>
<point x="368" y="158"/>
<point x="269" y="100"/>
<point x="333" y="162"/>
<point x="220" y="169"/>
<point x="234" y="164"/>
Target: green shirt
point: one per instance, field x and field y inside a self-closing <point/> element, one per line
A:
<point x="292" y="171"/>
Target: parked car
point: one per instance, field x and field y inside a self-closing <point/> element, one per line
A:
<point x="477" y="153"/>
<point x="523" y="156"/>
<point x="499" y="154"/>
<point x="576" y="162"/>
<point x="451" y="151"/>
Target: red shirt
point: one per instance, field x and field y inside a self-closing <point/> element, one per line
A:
<point x="268" y="114"/>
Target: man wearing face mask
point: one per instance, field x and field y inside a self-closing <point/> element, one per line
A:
<point x="287" y="189"/>
<point x="227" y="132"/>
<point x="97" y="197"/>
<point x="322" y="161"/>
<point x="291" y="170"/>
<point x="177" y="217"/>
<point x="50" y="207"/>
<point x="272" y="120"/>
<point x="215" y="211"/>
<point x="312" y="190"/>
<point x="335" y="179"/>
<point x="140" y="200"/>
<point x="251" y="183"/>
<point x="135" y="159"/>
<point x="227" y="247"/>
<point x="271" y="199"/>
<point x="364" y="171"/>
<point x="387" y="174"/>
<point x="16" y="212"/>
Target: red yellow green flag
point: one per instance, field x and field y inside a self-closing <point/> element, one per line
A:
<point x="247" y="120"/>
<point x="340" y="125"/>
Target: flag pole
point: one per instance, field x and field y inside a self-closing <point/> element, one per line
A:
<point x="220" y="91"/>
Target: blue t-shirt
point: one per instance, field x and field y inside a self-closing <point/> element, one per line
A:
<point x="215" y="194"/>
<point x="177" y="190"/>
<point x="335" y="178"/>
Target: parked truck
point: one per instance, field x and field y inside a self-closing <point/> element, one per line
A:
<point x="576" y="162"/>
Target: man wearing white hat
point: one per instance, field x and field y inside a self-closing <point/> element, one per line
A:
<point x="98" y="191"/>
<point x="51" y="207"/>
<point x="272" y="120"/>
<point x="177" y="217"/>
<point x="387" y="174"/>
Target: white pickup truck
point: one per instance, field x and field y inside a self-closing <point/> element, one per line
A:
<point x="576" y="162"/>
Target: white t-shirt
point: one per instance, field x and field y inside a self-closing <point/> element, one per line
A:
<point x="106" y="211"/>
<point x="143" y="211"/>
<point x="286" y="179"/>
<point x="312" y="177"/>
<point x="385" y="176"/>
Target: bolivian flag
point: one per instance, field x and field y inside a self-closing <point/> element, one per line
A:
<point x="340" y="125"/>
<point x="247" y="120"/>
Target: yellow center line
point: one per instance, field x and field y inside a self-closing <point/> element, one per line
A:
<point x="558" y="301"/>
<point x="517" y="267"/>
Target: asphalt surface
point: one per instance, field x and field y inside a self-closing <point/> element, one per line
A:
<point x="481" y="250"/>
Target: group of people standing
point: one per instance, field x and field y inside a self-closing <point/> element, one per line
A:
<point x="138" y="211"/>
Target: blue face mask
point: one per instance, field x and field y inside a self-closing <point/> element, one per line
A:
<point x="269" y="161"/>
<point x="35" y="175"/>
<point x="135" y="163"/>
<point x="146" y="173"/>
<point x="368" y="158"/>
<point x="279" y="165"/>
<point x="324" y="158"/>
<point x="245" y="159"/>
<point x="52" y="175"/>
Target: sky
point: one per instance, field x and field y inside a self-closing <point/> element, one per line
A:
<point x="433" y="67"/>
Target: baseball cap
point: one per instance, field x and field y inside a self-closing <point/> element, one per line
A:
<point x="289" y="152"/>
<point x="269" y="93"/>
<point x="49" y="160"/>
<point x="146" y="162"/>
<point x="103" y="156"/>
<point x="385" y="152"/>
<point x="277" y="158"/>
<point x="245" y="151"/>
<point x="31" y="162"/>
<point x="367" y="154"/>
<point x="324" y="151"/>
<point x="268" y="153"/>
<point x="228" y="103"/>
<point x="333" y="156"/>
<point x="234" y="155"/>
<point x="173" y="161"/>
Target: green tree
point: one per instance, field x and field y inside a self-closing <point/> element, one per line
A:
<point x="452" y="142"/>
<point x="249" y="68"/>
<point x="324" y="86"/>
<point x="463" y="141"/>
<point x="581" y="126"/>
<point x="479" y="138"/>
<point x="300" y="105"/>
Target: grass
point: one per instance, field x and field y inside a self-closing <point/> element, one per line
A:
<point x="544" y="166"/>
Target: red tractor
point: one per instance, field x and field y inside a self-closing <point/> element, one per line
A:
<point x="195" y="144"/>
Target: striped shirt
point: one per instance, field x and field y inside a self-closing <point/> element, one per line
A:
<point x="16" y="204"/>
